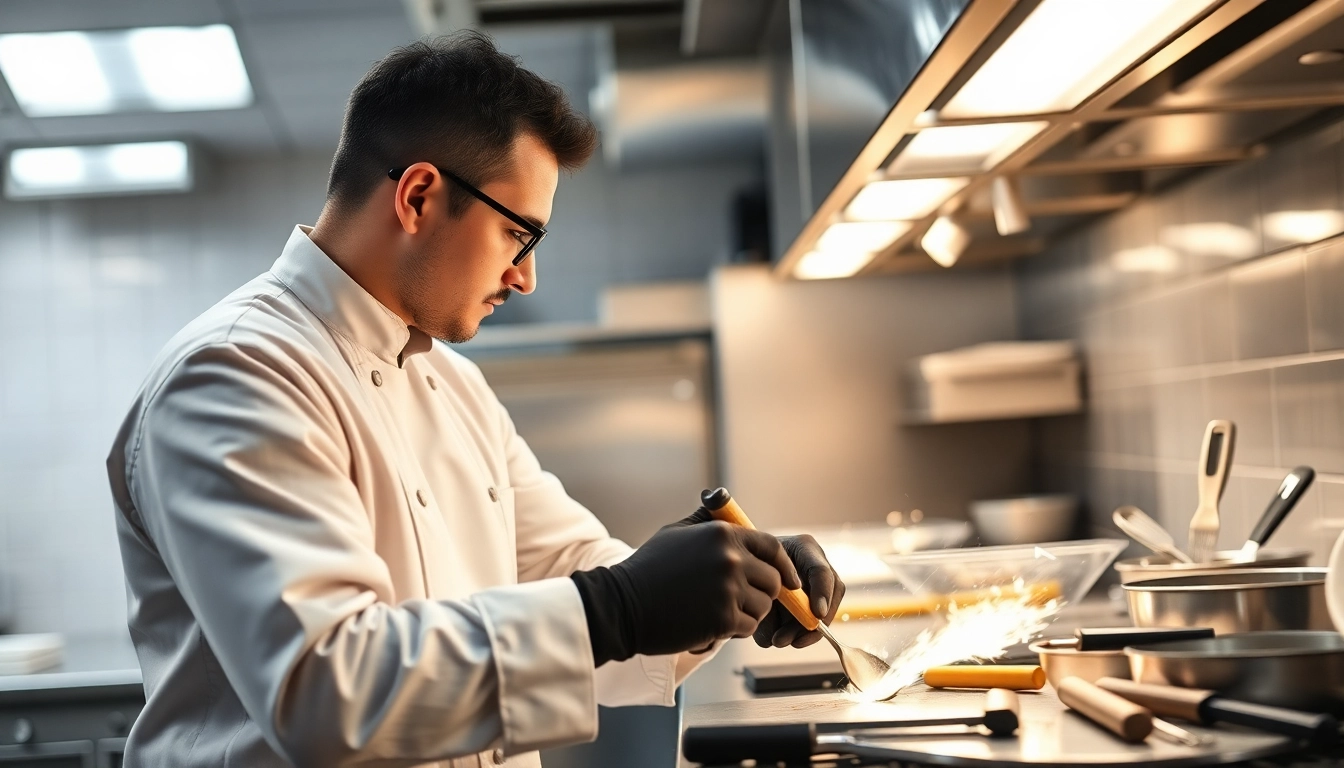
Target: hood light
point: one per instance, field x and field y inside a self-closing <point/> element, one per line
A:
<point x="963" y="148"/>
<point x="863" y="236"/>
<point x="902" y="199"/>
<point x="825" y="265"/>
<point x="1317" y="58"/>
<point x="1065" y="51"/>
<point x="1010" y="213"/>
<point x="945" y="241"/>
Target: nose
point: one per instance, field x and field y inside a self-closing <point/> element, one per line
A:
<point x="523" y="278"/>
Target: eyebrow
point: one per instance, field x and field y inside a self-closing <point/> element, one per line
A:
<point x="533" y="220"/>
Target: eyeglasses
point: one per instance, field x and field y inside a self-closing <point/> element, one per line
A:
<point x="534" y="233"/>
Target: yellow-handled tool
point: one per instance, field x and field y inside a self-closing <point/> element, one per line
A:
<point x="1013" y="677"/>
<point x="863" y="669"/>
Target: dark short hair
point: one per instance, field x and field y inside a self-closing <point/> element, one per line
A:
<point x="455" y="101"/>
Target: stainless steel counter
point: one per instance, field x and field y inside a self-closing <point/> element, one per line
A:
<point x="1050" y="735"/>
<point x="99" y="664"/>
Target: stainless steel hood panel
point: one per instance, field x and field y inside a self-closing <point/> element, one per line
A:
<point x="837" y="66"/>
<point x="1214" y="93"/>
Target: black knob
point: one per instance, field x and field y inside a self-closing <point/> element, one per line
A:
<point x="23" y="730"/>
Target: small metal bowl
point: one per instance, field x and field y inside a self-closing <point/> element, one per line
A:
<point x="1061" y="662"/>
<point x="1245" y="600"/>
<point x="1298" y="670"/>
<point x="1162" y="567"/>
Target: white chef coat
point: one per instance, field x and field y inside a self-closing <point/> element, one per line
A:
<point x="338" y="550"/>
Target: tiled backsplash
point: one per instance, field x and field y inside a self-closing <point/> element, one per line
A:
<point x="91" y="289"/>
<point x="1221" y="298"/>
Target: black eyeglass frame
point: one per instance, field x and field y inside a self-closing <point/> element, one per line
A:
<point x="537" y="233"/>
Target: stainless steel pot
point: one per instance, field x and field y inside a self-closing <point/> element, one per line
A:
<point x="1162" y="567"/>
<point x="1244" y="600"/>
<point x="1299" y="670"/>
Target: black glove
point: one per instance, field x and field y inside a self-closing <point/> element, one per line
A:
<point x="694" y="582"/>
<point x="821" y="584"/>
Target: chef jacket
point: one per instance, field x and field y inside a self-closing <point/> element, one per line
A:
<point x="339" y="551"/>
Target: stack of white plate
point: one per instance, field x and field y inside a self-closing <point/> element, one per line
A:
<point x="25" y="654"/>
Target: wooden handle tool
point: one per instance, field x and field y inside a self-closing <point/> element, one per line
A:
<point x="722" y="506"/>
<point x="1118" y="715"/>
<point x="863" y="669"/>
<point x="1013" y="677"/>
<point x="1207" y="707"/>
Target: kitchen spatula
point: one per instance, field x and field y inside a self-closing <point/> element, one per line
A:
<point x="1215" y="459"/>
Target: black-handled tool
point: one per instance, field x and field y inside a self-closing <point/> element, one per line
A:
<point x="1207" y="707"/>
<point x="1115" y="638"/>
<point x="797" y="742"/>
<point x="1290" y="491"/>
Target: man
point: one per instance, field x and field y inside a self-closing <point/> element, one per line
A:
<point x="338" y="550"/>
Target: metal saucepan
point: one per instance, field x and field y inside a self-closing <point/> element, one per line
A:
<point x="1094" y="653"/>
<point x="1060" y="663"/>
<point x="1298" y="670"/>
<point x="1161" y="567"/>
<point x="1243" y="600"/>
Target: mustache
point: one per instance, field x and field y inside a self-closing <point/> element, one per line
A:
<point x="501" y="296"/>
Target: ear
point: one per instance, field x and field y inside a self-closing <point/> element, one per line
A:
<point x="418" y="189"/>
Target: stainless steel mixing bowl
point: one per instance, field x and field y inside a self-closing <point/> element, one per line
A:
<point x="1243" y="600"/>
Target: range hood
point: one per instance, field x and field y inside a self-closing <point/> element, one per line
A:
<point x="1020" y="118"/>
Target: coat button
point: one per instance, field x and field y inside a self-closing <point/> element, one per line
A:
<point x="432" y="383"/>
<point x="494" y="495"/>
<point x="497" y="757"/>
<point x="377" y="378"/>
<point x="420" y="497"/>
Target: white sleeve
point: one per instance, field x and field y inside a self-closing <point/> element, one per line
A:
<point x="240" y="474"/>
<point x="557" y="536"/>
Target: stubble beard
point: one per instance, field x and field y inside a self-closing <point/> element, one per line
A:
<point x="427" y="310"/>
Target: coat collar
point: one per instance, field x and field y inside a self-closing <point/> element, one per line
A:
<point x="343" y="304"/>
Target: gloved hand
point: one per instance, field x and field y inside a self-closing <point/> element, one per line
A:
<point x="824" y="588"/>
<point x="692" y="583"/>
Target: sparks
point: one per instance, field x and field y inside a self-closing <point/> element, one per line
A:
<point x="980" y="631"/>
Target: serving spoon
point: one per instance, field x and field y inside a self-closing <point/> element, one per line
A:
<point x="863" y="669"/>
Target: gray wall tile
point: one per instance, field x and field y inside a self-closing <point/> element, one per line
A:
<point x="1214" y="309"/>
<point x="1300" y="190"/>
<point x="1219" y="221"/>
<point x="1309" y="408"/>
<point x="1269" y="300"/>
<point x="1325" y="295"/>
<point x="1264" y="330"/>
<point x="1244" y="398"/>
<point x="1178" y="419"/>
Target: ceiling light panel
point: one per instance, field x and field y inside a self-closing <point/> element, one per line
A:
<point x="106" y="169"/>
<point x="165" y="69"/>
<point x="55" y="74"/>
<point x="963" y="148"/>
<point x="902" y="199"/>
<point x="1065" y="51"/>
